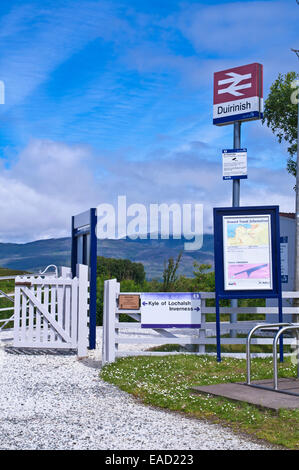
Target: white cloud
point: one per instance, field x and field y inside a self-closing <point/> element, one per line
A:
<point x="52" y="168"/>
<point x="222" y="36"/>
<point x="238" y="27"/>
<point x="191" y="176"/>
<point x="51" y="181"/>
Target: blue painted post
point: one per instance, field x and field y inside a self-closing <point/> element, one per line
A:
<point x="218" y="339"/>
<point x="93" y="280"/>
<point x="84" y="226"/>
<point x="74" y="248"/>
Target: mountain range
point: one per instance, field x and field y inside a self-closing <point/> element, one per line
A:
<point x="36" y="255"/>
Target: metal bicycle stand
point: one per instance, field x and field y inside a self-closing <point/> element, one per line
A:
<point x="282" y="328"/>
<point x="294" y="326"/>
<point x="263" y="326"/>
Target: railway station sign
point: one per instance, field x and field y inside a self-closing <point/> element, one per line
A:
<point x="238" y="94"/>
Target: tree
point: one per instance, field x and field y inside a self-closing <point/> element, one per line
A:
<point x="120" y="269"/>
<point x="281" y="114"/>
<point x="169" y="274"/>
<point x="204" y="278"/>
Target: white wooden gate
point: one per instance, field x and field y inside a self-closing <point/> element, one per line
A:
<point x="52" y="312"/>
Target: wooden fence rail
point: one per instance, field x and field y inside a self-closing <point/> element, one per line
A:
<point x="115" y="332"/>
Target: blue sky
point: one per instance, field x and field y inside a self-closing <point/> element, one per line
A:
<point x="108" y="98"/>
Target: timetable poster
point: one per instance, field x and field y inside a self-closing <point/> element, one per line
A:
<point x="247" y="252"/>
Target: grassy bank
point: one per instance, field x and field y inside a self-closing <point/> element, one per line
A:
<point x="166" y="381"/>
<point x="7" y="286"/>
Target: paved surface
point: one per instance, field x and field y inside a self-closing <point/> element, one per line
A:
<point x="257" y="396"/>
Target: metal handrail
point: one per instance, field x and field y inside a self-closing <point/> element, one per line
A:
<point x="292" y="326"/>
<point x="282" y="328"/>
<point x="48" y="267"/>
<point x="264" y="326"/>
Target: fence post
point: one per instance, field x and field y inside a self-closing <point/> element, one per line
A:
<point x="110" y="293"/>
<point x="116" y="317"/>
<point x="104" y="332"/>
<point x="17" y="305"/>
<point x="82" y="310"/>
<point x="202" y="332"/>
<point x="66" y="272"/>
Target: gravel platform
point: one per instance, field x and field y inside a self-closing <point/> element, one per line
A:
<point x="58" y="402"/>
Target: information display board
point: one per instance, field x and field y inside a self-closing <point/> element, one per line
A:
<point x="247" y="257"/>
<point x="247" y="252"/>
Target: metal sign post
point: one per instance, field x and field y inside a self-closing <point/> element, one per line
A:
<point x="236" y="203"/>
<point x="297" y="208"/>
<point x="238" y="97"/>
<point x="236" y="182"/>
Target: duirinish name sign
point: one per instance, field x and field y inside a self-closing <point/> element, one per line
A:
<point x="238" y="94"/>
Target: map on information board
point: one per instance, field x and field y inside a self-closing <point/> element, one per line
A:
<point x="247" y="252"/>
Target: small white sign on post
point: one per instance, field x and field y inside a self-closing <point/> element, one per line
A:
<point x="234" y="164"/>
<point x="170" y="310"/>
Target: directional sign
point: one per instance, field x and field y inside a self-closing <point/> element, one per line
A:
<point x="170" y="310"/>
<point x="238" y="94"/>
<point x="234" y="164"/>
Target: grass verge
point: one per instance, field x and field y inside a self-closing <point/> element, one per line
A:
<point x="165" y="382"/>
<point x="7" y="286"/>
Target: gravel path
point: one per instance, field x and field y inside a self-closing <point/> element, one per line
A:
<point x="58" y="402"/>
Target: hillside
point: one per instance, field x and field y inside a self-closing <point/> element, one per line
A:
<point x="37" y="255"/>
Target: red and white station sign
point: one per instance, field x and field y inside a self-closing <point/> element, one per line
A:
<point x="238" y="94"/>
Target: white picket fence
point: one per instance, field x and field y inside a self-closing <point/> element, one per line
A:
<point x="113" y="334"/>
<point x="51" y="311"/>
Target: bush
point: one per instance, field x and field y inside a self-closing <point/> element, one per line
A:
<point x="120" y="269"/>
